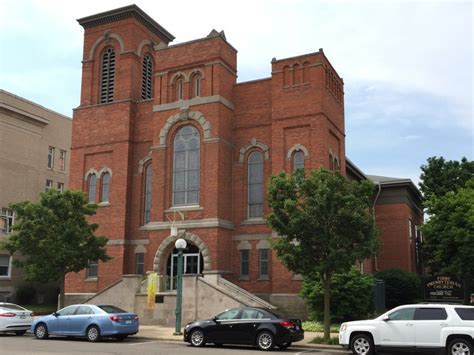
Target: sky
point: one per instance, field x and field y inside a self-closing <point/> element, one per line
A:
<point x="407" y="65"/>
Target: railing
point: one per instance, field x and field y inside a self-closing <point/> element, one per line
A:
<point x="241" y="293"/>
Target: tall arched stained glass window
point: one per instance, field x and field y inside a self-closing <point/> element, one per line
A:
<point x="91" y="187"/>
<point x="107" y="76"/>
<point x="298" y="160"/>
<point x="147" y="78"/>
<point x="255" y="185"/>
<point x="186" y="167"/>
<point x="147" y="194"/>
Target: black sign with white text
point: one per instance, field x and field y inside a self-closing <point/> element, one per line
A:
<point x="444" y="288"/>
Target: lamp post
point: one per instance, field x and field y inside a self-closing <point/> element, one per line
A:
<point x="180" y="244"/>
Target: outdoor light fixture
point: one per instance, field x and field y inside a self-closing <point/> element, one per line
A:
<point x="180" y="244"/>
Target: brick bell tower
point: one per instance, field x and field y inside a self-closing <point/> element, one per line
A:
<point x="105" y="127"/>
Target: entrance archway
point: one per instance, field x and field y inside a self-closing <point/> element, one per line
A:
<point x="193" y="264"/>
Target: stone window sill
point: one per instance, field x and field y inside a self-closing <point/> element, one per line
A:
<point x="264" y="278"/>
<point x="251" y="221"/>
<point x="91" y="279"/>
<point x="244" y="278"/>
<point x="104" y="204"/>
<point x="5" y="278"/>
<point x="187" y="208"/>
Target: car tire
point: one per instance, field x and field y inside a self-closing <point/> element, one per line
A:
<point x="20" y="332"/>
<point x="197" y="337"/>
<point x="41" y="331"/>
<point x="121" y="337"/>
<point x="93" y="333"/>
<point x="460" y="346"/>
<point x="362" y="344"/>
<point x="285" y="345"/>
<point x="265" y="341"/>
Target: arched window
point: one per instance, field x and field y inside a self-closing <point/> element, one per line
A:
<point x="107" y="76"/>
<point x="186" y="167"/>
<point x="179" y="87"/>
<point x="91" y="187"/>
<point x="196" y="86"/>
<point x="255" y="184"/>
<point x="147" y="77"/>
<point x="296" y="74"/>
<point x="305" y="72"/>
<point x="147" y="194"/>
<point x="105" y="184"/>
<point x="298" y="160"/>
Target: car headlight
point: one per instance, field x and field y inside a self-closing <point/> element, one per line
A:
<point x="343" y="327"/>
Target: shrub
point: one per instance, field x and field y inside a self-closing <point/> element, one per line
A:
<point x="351" y="296"/>
<point x="401" y="287"/>
<point x="25" y="294"/>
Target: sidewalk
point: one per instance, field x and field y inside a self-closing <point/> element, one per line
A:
<point x="157" y="332"/>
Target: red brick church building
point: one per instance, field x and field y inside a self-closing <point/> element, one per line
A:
<point x="164" y="135"/>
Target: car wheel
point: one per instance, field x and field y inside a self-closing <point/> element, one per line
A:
<point x="197" y="338"/>
<point x="121" y="337"/>
<point x="20" y="332"/>
<point x="285" y="345"/>
<point x="460" y="347"/>
<point x="93" y="333"/>
<point x="362" y="344"/>
<point x="265" y="341"/>
<point x="41" y="331"/>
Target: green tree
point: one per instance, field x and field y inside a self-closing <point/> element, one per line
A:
<point x="448" y="246"/>
<point x="351" y="295"/>
<point x="54" y="237"/>
<point x="439" y="176"/>
<point x="325" y="225"/>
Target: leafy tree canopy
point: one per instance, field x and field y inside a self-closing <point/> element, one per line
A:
<point x="325" y="225"/>
<point x="440" y="176"/>
<point x="54" y="236"/>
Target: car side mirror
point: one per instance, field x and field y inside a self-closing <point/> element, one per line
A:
<point x="56" y="314"/>
<point x="215" y="319"/>
<point x="386" y="318"/>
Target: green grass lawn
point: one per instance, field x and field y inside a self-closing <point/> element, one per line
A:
<point x="318" y="327"/>
<point x="41" y="309"/>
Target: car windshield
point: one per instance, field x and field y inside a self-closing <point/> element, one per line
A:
<point x="112" y="309"/>
<point x="12" y="306"/>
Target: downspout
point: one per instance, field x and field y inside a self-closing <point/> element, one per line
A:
<point x="373" y="214"/>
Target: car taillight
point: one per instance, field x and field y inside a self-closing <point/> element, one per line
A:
<point x="135" y="318"/>
<point x="287" y="324"/>
<point x="115" y="318"/>
<point x="8" y="314"/>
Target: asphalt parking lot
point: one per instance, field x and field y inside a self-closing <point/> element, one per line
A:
<point x="27" y="344"/>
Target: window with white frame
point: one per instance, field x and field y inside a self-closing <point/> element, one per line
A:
<point x="50" y="157"/>
<point x="196" y="85"/>
<point x="186" y="167"/>
<point x="263" y="263"/>
<point x="179" y="89"/>
<point x="5" y="265"/>
<point x="49" y="185"/>
<point x="147" y="194"/>
<point x="91" y="187"/>
<point x="298" y="160"/>
<point x="62" y="160"/>
<point x="410" y="230"/>
<point x="244" y="263"/>
<point x="140" y="263"/>
<point x="105" y="186"/>
<point x="255" y="185"/>
<point x="8" y="218"/>
<point x="61" y="186"/>
<point x="92" y="269"/>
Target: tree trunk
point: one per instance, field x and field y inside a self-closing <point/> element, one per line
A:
<point x="327" y="299"/>
<point x="61" y="292"/>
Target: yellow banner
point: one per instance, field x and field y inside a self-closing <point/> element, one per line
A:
<point x="152" y="286"/>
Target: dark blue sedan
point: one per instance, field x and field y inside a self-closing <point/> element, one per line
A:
<point x="87" y="320"/>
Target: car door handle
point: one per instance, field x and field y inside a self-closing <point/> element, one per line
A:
<point x="409" y="324"/>
<point x="444" y="324"/>
<point x="254" y="325"/>
<point x="230" y="326"/>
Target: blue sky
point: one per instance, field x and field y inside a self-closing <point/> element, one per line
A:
<point x="407" y="66"/>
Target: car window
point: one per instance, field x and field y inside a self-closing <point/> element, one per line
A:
<point x="67" y="311"/>
<point x="230" y="314"/>
<point x="465" y="313"/>
<point x="431" y="314"/>
<point x="402" y="314"/>
<point x="112" y="309"/>
<point x="12" y="306"/>
<point x="81" y="310"/>
<point x="252" y="314"/>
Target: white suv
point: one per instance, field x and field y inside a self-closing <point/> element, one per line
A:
<point x="417" y="326"/>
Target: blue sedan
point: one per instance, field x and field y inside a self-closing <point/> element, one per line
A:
<point x="87" y="320"/>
